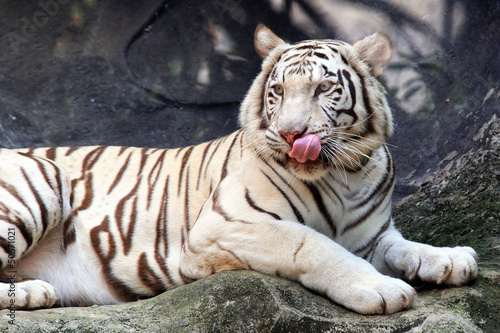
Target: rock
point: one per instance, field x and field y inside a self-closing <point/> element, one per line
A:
<point x="247" y="301"/>
<point x="459" y="205"/>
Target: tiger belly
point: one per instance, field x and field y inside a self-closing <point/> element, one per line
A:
<point x="76" y="279"/>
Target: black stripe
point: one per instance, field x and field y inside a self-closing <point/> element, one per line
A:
<point x="69" y="234"/>
<point x="321" y="206"/>
<point x="152" y="183"/>
<point x="226" y="159"/>
<point x="254" y="206"/>
<point x="71" y="150"/>
<point x="186" y="201"/>
<point x="320" y="55"/>
<point x="51" y="153"/>
<point x="329" y="116"/>
<point x="385" y="183"/>
<point x="304" y="47"/>
<point x="92" y="158"/>
<point x="334" y="50"/>
<point x="281" y="177"/>
<point x="365" y="216"/>
<point x="58" y="176"/>
<point x="202" y="163"/>
<point x="271" y="139"/>
<point x="120" y="173"/>
<point x="185" y="158"/>
<point x="122" y="150"/>
<point x="144" y="158"/>
<point x="292" y="56"/>
<point x="162" y="236"/>
<point x="120" y="209"/>
<point x="370" y="126"/>
<point x="43" y="208"/>
<point x="371" y="243"/>
<point x="119" y="288"/>
<point x="293" y="64"/>
<point x="297" y="213"/>
<point x="212" y="155"/>
<point x="263" y="117"/>
<point x="370" y="121"/>
<point x="352" y="92"/>
<point x="18" y="223"/>
<point x="344" y="60"/>
<point x="148" y="276"/>
<point x="335" y="194"/>
<point x="217" y="207"/>
<point x="4" y="244"/>
<point x="327" y="71"/>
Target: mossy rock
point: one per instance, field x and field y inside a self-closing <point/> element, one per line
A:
<point x="457" y="208"/>
<point x="247" y="301"/>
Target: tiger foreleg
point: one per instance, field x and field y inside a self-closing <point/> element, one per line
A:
<point x="291" y="250"/>
<point x="420" y="262"/>
<point x="32" y="294"/>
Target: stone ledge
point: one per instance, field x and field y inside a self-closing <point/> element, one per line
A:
<point x="247" y="301"/>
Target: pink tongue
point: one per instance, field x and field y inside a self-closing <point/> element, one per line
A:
<point x="306" y="148"/>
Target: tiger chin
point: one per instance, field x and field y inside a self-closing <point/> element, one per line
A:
<point x="302" y="191"/>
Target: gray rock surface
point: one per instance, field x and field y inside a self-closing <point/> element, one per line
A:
<point x="247" y="301"/>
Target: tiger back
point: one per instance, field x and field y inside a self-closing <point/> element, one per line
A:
<point x="302" y="191"/>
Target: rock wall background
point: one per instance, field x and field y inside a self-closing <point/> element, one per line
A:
<point x="171" y="73"/>
<point x="167" y="73"/>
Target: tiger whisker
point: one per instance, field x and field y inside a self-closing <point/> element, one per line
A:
<point x="352" y="160"/>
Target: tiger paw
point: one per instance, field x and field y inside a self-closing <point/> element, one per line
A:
<point x="450" y="266"/>
<point x="33" y="294"/>
<point x="378" y="294"/>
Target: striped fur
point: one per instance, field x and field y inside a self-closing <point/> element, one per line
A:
<point x="100" y="225"/>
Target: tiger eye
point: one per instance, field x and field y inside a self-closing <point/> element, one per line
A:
<point x="278" y="89"/>
<point x="325" y="86"/>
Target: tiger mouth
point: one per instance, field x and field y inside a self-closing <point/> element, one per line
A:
<point x="308" y="162"/>
<point x="305" y="149"/>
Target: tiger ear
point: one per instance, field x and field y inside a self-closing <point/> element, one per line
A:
<point x="265" y="40"/>
<point x="376" y="51"/>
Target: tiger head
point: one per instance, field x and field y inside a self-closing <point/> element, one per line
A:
<point x="316" y="104"/>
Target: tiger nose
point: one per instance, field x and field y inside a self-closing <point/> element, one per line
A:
<point x="291" y="136"/>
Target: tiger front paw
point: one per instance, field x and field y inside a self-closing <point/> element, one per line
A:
<point x="450" y="266"/>
<point x="32" y="294"/>
<point x="378" y="294"/>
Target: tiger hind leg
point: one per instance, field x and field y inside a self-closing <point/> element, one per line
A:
<point x="34" y="199"/>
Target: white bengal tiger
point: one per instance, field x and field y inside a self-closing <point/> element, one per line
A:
<point x="302" y="191"/>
